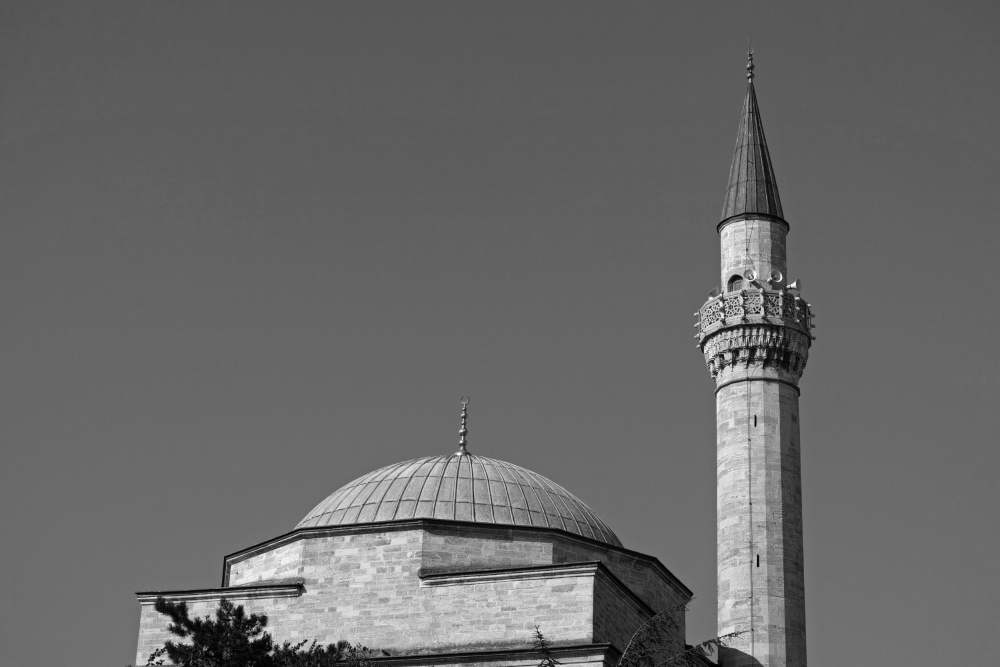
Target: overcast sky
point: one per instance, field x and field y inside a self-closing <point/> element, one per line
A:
<point x="250" y="252"/>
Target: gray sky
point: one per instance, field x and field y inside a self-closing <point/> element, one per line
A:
<point x="249" y="252"/>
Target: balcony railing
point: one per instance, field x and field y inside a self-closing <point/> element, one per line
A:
<point x="758" y="306"/>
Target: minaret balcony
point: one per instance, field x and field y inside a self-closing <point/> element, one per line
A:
<point x="780" y="308"/>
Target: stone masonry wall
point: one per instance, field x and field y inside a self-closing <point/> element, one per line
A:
<point x="641" y="578"/>
<point x="767" y="248"/>
<point x="279" y="563"/>
<point x="617" y="615"/>
<point x="457" y="547"/>
<point x="153" y="626"/>
<point x="770" y="477"/>
<point x="367" y="587"/>
<point x="504" y="612"/>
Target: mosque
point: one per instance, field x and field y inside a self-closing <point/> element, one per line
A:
<point x="453" y="559"/>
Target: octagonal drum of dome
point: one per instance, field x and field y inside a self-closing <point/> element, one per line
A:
<point x="459" y="488"/>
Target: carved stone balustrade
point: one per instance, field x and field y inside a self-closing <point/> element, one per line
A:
<point x="763" y="327"/>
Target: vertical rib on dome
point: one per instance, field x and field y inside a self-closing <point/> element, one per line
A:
<point x="752" y="185"/>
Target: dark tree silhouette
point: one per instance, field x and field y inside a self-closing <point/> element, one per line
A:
<point x="541" y="644"/>
<point x="237" y="639"/>
<point x="653" y="644"/>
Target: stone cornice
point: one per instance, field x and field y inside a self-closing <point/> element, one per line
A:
<point x="751" y="216"/>
<point x="577" y="653"/>
<point x="442" y="524"/>
<point x="451" y="577"/>
<point x="756" y="378"/>
<point x="285" y="589"/>
<point x="756" y="347"/>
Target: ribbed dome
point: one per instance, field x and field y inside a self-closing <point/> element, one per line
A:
<point x="459" y="488"/>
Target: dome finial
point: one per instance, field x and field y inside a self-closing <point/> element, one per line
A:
<point x="750" y="67"/>
<point x="462" y="432"/>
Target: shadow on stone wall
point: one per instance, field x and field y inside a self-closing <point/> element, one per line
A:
<point x="731" y="657"/>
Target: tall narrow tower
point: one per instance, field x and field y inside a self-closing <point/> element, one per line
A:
<point x="755" y="332"/>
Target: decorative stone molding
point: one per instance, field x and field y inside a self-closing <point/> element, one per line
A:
<point x="286" y="588"/>
<point x="759" y="328"/>
<point x="579" y="654"/>
<point x="756" y="346"/>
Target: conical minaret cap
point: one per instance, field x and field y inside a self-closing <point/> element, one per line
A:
<point x="752" y="185"/>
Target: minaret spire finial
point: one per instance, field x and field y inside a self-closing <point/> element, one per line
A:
<point x="463" y="431"/>
<point x="752" y="186"/>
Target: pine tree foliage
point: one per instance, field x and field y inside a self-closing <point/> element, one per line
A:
<point x="654" y="644"/>
<point x="541" y="644"/>
<point x="237" y="639"/>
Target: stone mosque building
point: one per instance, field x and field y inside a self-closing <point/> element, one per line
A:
<point x="453" y="559"/>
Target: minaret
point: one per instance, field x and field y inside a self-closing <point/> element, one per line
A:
<point x="755" y="332"/>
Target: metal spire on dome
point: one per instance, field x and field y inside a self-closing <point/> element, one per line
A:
<point x="752" y="185"/>
<point x="463" y="431"/>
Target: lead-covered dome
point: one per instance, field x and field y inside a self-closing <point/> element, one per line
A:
<point x="459" y="488"/>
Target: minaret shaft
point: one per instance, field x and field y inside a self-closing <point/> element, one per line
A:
<point x="759" y="495"/>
